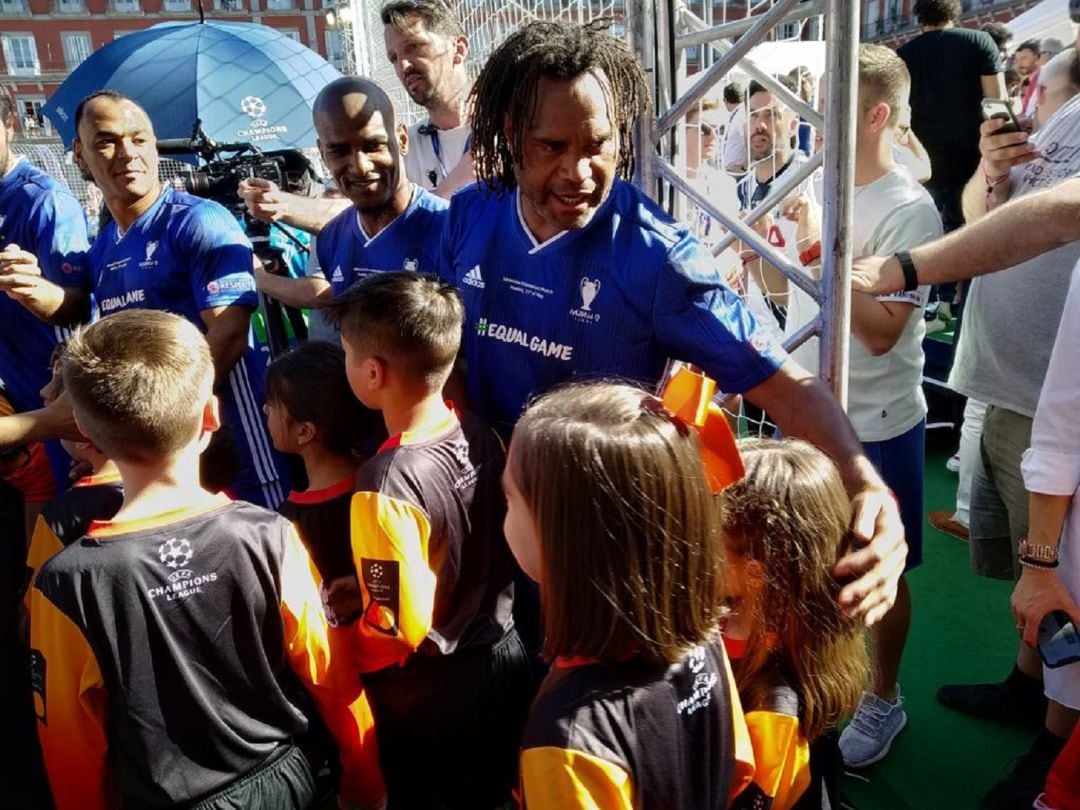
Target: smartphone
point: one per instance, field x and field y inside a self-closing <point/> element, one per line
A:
<point x="1059" y="642"/>
<point x="1000" y="108"/>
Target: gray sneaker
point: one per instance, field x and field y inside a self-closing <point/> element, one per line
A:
<point x="870" y="734"/>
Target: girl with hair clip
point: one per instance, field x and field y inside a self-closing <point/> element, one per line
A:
<point x="800" y="664"/>
<point x="610" y="511"/>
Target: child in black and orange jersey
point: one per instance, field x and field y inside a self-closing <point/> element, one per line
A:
<point x="446" y="673"/>
<point x="800" y="664"/>
<point x="311" y="411"/>
<point x="96" y="496"/>
<point x="609" y="509"/>
<point x="163" y="641"/>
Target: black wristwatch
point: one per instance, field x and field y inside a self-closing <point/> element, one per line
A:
<point x="911" y="278"/>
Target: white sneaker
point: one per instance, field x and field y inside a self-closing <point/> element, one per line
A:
<point x="871" y="732"/>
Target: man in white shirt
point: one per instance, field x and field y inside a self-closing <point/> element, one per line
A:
<point x="886" y="403"/>
<point x="428" y="48"/>
<point x="1013" y="319"/>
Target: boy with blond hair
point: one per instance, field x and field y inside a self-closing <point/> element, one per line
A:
<point x="162" y="641"/>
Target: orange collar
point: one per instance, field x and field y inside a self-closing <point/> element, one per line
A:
<point x="113" y="528"/>
<point x="424" y="434"/>
<point x="97" y="479"/>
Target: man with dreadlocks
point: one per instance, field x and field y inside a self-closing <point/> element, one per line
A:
<point x="567" y="270"/>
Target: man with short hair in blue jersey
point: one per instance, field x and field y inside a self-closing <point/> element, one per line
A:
<point x="39" y="218"/>
<point x="171" y="251"/>
<point x="392" y="224"/>
<point x="568" y="271"/>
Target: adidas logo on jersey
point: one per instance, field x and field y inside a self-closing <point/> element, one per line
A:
<point x="338" y="276"/>
<point x="474" y="279"/>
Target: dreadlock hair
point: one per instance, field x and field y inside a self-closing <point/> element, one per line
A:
<point x="507" y="90"/>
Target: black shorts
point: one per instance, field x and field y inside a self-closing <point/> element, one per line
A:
<point x="449" y="727"/>
<point x="282" y="782"/>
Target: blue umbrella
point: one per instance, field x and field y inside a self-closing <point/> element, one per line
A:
<point x="245" y="82"/>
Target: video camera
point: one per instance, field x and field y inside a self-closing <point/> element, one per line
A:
<point x="225" y="166"/>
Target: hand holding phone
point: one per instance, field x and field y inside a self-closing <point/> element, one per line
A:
<point x="1059" y="641"/>
<point x="1003" y="141"/>
<point x="999" y="108"/>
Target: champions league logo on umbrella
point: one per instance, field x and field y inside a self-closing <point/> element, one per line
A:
<point x="261" y="130"/>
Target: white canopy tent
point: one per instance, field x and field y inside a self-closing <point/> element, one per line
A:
<point x="1048" y="19"/>
<point x="777" y="58"/>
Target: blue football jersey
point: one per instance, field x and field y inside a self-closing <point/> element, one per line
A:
<point x="184" y="255"/>
<point x="615" y="299"/>
<point x="42" y="217"/>
<point x="410" y="242"/>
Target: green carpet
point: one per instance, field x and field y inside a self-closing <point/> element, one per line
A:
<point x="961" y="632"/>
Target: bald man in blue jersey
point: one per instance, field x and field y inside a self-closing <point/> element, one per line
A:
<point x="171" y="251"/>
<point x="392" y="224"/>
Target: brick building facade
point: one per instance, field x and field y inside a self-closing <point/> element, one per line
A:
<point x="42" y="41"/>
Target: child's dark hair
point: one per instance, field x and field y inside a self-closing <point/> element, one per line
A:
<point x="311" y="384"/>
<point x="789" y="514"/>
<point x="412" y="320"/>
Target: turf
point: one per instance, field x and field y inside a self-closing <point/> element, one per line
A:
<point x="961" y="632"/>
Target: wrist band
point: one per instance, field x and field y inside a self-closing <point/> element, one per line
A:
<point x="911" y="277"/>
<point x="1029" y="562"/>
<point x="992" y="184"/>
<point x="811" y="254"/>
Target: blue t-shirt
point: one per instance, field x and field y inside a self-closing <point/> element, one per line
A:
<point x="410" y="242"/>
<point x="183" y="255"/>
<point x="615" y="299"/>
<point x="42" y="217"/>
<point x="186" y="254"/>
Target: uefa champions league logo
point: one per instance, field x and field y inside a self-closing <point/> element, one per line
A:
<point x="590" y="288"/>
<point x="175" y="552"/>
<point x="253" y="106"/>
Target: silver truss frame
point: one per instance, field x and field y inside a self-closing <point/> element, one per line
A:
<point x="659" y="170"/>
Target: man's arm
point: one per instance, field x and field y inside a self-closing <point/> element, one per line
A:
<point x="268" y="203"/>
<point x="802" y="407"/>
<point x="991" y="185"/>
<point x="304" y="293"/>
<point x="878" y="324"/>
<point x="54" y="421"/>
<point x="227" y="333"/>
<point x="21" y="278"/>
<point x="994" y="86"/>
<point x="1014" y="233"/>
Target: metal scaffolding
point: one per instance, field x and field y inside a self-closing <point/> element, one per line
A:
<point x="661" y="31"/>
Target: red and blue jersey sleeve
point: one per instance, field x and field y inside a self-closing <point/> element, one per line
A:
<point x="220" y="258"/>
<point x="703" y="321"/>
<point x="61" y="244"/>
